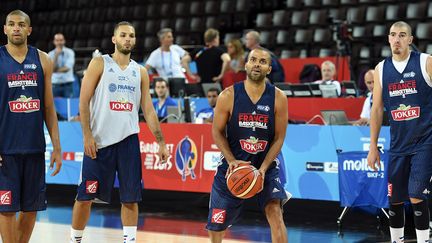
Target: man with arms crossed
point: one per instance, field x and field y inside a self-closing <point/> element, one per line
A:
<point x="112" y="89"/>
<point x="402" y="84"/>
<point x="233" y="129"/>
<point x="26" y="101"/>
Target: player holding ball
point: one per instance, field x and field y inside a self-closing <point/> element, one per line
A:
<point x="249" y="126"/>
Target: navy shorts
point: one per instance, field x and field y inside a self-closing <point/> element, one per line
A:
<point x="98" y="175"/>
<point x="409" y="176"/>
<point x="22" y="183"/>
<point x="225" y="209"/>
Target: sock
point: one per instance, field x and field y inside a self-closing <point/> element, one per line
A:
<point x="421" y="221"/>
<point x="129" y="234"/>
<point x="76" y="236"/>
<point x="397" y="222"/>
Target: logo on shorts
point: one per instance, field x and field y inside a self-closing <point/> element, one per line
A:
<point x="5" y="197"/>
<point x="405" y="113"/>
<point x="218" y="216"/>
<point x="91" y="187"/>
<point x="389" y="189"/>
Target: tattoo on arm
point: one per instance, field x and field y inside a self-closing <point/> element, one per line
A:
<point x="159" y="136"/>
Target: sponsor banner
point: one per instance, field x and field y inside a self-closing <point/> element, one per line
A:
<point x="314" y="146"/>
<point x="24" y="104"/>
<point x="359" y="184"/>
<point x="314" y="166"/>
<point x="191" y="164"/>
<point x="405" y="113"/>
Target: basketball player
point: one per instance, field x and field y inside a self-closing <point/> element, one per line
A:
<point x="26" y="101"/>
<point x="249" y="124"/>
<point x="402" y="84"/>
<point x="112" y="89"/>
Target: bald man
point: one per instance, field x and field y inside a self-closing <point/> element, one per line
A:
<point x="365" y="114"/>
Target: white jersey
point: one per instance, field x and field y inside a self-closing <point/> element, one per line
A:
<point x="115" y="104"/>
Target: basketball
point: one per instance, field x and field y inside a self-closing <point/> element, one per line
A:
<point x="244" y="181"/>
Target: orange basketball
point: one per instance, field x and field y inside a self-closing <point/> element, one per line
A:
<point x="244" y="181"/>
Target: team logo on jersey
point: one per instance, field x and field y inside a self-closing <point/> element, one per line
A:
<point x="91" y="187"/>
<point x="186" y="158"/>
<point x="402" y="88"/>
<point x="218" y="216"/>
<point x="265" y="108"/>
<point x="22" y="79"/>
<point x="121" y="105"/>
<point x="405" y="113"/>
<point x="5" y="197"/>
<point x="253" y="145"/>
<point x="253" y="120"/>
<point x="133" y="73"/>
<point x="409" y="75"/>
<point x="24" y="104"/>
<point x="30" y="66"/>
<point x="389" y="189"/>
<point x="112" y="87"/>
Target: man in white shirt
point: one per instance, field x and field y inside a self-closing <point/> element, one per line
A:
<point x="365" y="114"/>
<point x="328" y="72"/>
<point x="169" y="59"/>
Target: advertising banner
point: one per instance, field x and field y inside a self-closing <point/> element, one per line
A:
<point x="359" y="184"/>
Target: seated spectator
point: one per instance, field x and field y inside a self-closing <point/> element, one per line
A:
<point x="163" y="99"/>
<point x="169" y="59"/>
<point x="365" y="114"/>
<point x="236" y="53"/>
<point x="206" y="115"/>
<point x="212" y="62"/>
<point x="328" y="72"/>
<point x="252" y="41"/>
<point x="63" y="74"/>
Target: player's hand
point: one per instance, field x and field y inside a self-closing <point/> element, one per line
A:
<point x="90" y="147"/>
<point x="373" y="158"/>
<point x="262" y="172"/>
<point x="57" y="159"/>
<point x="163" y="153"/>
<point x="234" y="164"/>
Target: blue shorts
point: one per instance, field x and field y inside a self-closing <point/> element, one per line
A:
<point x="225" y="209"/>
<point x="409" y="176"/>
<point x="98" y="175"/>
<point x="22" y="183"/>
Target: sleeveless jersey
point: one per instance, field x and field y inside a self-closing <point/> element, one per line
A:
<point x="407" y="99"/>
<point x="115" y="104"/>
<point x="250" y="130"/>
<point x="21" y="103"/>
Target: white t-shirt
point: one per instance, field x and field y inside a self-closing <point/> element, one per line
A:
<point x="334" y="82"/>
<point x="366" y="107"/>
<point x="167" y="63"/>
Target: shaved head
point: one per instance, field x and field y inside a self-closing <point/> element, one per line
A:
<point x="19" y="13"/>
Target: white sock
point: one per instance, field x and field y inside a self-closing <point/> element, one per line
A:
<point x="397" y="235"/>
<point x="76" y="236"/>
<point x="129" y="234"/>
<point x="422" y="236"/>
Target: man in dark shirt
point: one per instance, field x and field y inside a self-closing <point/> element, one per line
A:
<point x="212" y="62"/>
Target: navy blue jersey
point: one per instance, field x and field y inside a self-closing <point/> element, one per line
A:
<point x="407" y="99"/>
<point x="21" y="103"/>
<point x="250" y="130"/>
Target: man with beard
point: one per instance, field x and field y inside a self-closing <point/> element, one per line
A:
<point x="113" y="87"/>
<point x="402" y="85"/>
<point x="253" y="111"/>
<point x="206" y="115"/>
<point x="26" y="101"/>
